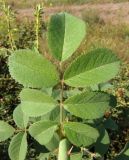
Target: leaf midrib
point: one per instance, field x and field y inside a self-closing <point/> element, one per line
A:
<point x="44" y="131"/>
<point x="63" y="37"/>
<point x="83" y="103"/>
<point x="90" y="70"/>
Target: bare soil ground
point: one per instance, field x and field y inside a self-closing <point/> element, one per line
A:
<point x="110" y="12"/>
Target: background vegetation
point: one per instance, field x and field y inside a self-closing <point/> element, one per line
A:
<point x="32" y="3"/>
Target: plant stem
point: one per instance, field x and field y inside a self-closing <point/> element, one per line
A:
<point x="21" y="130"/>
<point x="63" y="150"/>
<point x="9" y="31"/>
<point x="38" y="13"/>
<point x="64" y="144"/>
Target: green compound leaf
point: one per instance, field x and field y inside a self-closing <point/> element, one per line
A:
<point x="32" y="70"/>
<point x="103" y="142"/>
<point x="95" y="67"/>
<point x="80" y="134"/>
<point x="35" y="103"/>
<point x="6" y="131"/>
<point x="65" y="33"/>
<point x="43" y="131"/>
<point x="20" y="118"/>
<point x="18" y="147"/>
<point x="88" y="105"/>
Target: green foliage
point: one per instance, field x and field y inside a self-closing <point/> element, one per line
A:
<point x="95" y="67"/>
<point x="52" y="116"/>
<point x="32" y="73"/>
<point x="43" y="131"/>
<point x="110" y="124"/>
<point x="18" y="147"/>
<point x="20" y="118"/>
<point x="41" y="81"/>
<point x="62" y="42"/>
<point x="42" y="104"/>
<point x="88" y="105"/>
<point x="80" y="134"/>
<point x="6" y="131"/>
<point x="9" y="91"/>
<point x="53" y="143"/>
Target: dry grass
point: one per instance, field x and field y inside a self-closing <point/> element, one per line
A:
<point x="99" y="34"/>
<point x="109" y="36"/>
<point x="32" y="3"/>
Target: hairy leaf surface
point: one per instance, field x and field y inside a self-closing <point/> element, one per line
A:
<point x="32" y="70"/>
<point x="88" y="105"/>
<point x="95" y="67"/>
<point x="18" y="147"/>
<point x="20" y="118"/>
<point x="6" y="131"/>
<point x="65" y="33"/>
<point x="43" y="131"/>
<point x="80" y="134"/>
<point x="35" y="103"/>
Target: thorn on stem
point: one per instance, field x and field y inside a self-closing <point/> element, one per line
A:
<point x="69" y="152"/>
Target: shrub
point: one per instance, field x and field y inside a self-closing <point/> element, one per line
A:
<point x="58" y="107"/>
